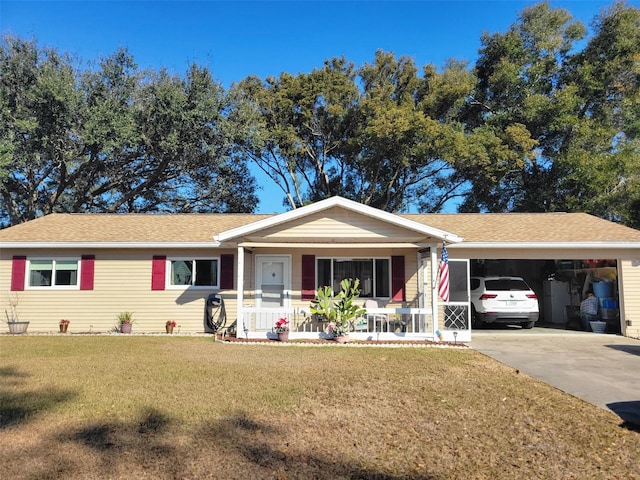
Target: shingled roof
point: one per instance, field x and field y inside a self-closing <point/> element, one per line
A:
<point x="198" y="227"/>
<point x="529" y="227"/>
<point x="133" y="227"/>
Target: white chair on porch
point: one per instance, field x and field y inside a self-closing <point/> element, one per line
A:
<point x="374" y="318"/>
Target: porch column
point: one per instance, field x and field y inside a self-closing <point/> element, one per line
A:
<point x="240" y="293"/>
<point x="434" y="289"/>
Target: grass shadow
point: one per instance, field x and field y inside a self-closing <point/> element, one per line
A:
<point x="22" y="406"/>
<point x="107" y="437"/>
<point x="260" y="444"/>
<point x="142" y="445"/>
<point x="155" y="446"/>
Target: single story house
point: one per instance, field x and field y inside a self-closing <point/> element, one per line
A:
<point x="87" y="268"/>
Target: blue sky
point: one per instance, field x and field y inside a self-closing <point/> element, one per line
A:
<point x="240" y="38"/>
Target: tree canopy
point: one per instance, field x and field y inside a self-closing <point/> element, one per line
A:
<point x="570" y="116"/>
<point x="547" y="119"/>
<point x="113" y="140"/>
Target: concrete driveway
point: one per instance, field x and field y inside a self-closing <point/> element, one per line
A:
<point x="601" y="369"/>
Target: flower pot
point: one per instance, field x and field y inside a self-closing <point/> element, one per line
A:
<point x="342" y="339"/>
<point x="283" y="336"/>
<point x="18" y="327"/>
<point x="64" y="327"/>
<point x="125" y="328"/>
<point x="169" y="328"/>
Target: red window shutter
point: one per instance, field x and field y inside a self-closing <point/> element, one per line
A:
<point x="158" y="271"/>
<point x="86" y="272"/>
<point x="308" y="286"/>
<point x="226" y="271"/>
<point x="18" y="271"/>
<point x="397" y="279"/>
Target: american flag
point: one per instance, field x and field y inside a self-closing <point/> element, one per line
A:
<point x="443" y="284"/>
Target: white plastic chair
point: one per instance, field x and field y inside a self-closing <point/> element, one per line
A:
<point x="375" y="317"/>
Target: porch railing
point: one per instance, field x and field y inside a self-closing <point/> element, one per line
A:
<point x="385" y="322"/>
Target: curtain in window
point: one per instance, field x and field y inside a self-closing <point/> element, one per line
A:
<point x="362" y="269"/>
<point x="40" y="273"/>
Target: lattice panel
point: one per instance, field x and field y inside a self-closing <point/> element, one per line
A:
<point x="456" y="317"/>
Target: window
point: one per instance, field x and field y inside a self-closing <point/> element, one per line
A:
<point x="53" y="273"/>
<point x="374" y="274"/>
<point x="194" y="272"/>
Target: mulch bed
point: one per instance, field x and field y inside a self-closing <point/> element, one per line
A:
<point x="319" y="341"/>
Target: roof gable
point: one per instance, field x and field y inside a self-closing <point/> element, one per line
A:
<point x="353" y="220"/>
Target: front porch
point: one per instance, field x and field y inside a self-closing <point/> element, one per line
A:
<point x="376" y="324"/>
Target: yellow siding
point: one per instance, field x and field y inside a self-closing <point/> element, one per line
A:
<point x="122" y="282"/>
<point x="339" y="224"/>
<point x="629" y="271"/>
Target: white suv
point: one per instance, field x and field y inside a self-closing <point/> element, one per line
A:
<point x="503" y="300"/>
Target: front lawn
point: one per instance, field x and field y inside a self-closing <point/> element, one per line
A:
<point x="86" y="407"/>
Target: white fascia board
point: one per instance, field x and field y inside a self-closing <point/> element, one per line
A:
<point x="337" y="202"/>
<point x="318" y="246"/>
<point x="548" y="245"/>
<point x="104" y="245"/>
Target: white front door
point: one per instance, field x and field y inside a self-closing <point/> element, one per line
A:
<point x="273" y="281"/>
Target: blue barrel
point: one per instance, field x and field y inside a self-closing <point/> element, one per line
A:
<point x="603" y="289"/>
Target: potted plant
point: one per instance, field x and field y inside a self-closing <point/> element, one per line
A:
<point x="125" y="319"/>
<point x="12" y="318"/>
<point x="282" y="329"/>
<point x="64" y="325"/>
<point x="170" y="325"/>
<point x="339" y="309"/>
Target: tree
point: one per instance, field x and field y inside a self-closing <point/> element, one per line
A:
<point x="366" y="135"/>
<point x="408" y="143"/>
<point x="113" y="140"/>
<point x="301" y="126"/>
<point x="517" y="112"/>
<point x="557" y="128"/>
<point x="40" y="113"/>
<point x="601" y="149"/>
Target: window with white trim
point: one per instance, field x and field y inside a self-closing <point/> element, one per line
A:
<point x="53" y="273"/>
<point x="194" y="272"/>
<point x="374" y="274"/>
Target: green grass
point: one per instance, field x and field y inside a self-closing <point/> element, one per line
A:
<point x="178" y="407"/>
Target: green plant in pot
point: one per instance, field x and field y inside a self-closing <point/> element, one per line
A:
<point x="125" y="319"/>
<point x="339" y="309"/>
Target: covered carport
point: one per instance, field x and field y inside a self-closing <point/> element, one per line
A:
<point x="575" y="249"/>
<point x="561" y="285"/>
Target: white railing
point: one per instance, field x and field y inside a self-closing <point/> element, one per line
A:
<point x="378" y="323"/>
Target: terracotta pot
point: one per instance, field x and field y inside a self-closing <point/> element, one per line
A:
<point x="169" y="328"/>
<point x="342" y="339"/>
<point x="125" y="328"/>
<point x="64" y="327"/>
<point x="283" y="336"/>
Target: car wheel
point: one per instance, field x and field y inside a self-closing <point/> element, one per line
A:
<point x="528" y="325"/>
<point x="475" y="320"/>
